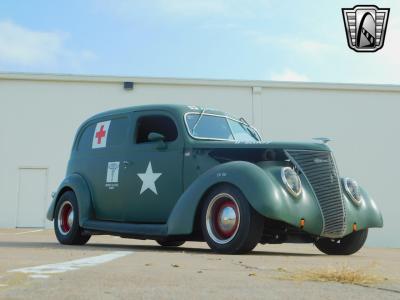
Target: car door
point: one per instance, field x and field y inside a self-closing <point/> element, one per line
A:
<point x="154" y="168"/>
<point x="106" y="141"/>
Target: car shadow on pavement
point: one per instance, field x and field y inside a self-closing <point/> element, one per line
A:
<point x="139" y="248"/>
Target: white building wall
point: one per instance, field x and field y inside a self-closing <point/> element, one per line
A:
<point x="41" y="113"/>
<point x="364" y="127"/>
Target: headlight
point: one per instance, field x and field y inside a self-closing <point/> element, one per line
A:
<point x="353" y="190"/>
<point x="291" y="180"/>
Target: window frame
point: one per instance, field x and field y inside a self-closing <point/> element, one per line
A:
<point x="94" y="122"/>
<point x="214" y="115"/>
<point x="142" y="114"/>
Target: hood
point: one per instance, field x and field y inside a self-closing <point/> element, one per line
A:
<point x="309" y="145"/>
<point x="224" y="151"/>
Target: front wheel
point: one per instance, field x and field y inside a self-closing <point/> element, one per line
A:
<point x="347" y="245"/>
<point x="167" y="243"/>
<point x="66" y="224"/>
<point x="229" y="224"/>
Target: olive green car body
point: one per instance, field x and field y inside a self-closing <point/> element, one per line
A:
<point x="188" y="174"/>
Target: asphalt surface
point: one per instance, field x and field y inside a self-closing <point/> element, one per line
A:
<point x="34" y="266"/>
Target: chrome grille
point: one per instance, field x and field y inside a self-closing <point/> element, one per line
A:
<point x="320" y="170"/>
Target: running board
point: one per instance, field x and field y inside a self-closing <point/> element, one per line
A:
<point x="126" y="229"/>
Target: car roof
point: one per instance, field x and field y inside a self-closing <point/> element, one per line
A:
<point x="174" y="108"/>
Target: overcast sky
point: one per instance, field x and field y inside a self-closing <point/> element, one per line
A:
<point x="259" y="39"/>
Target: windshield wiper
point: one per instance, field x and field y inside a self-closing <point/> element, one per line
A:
<point x="250" y="129"/>
<point x="198" y="120"/>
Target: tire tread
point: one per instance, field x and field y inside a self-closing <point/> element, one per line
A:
<point x="75" y="237"/>
<point x="250" y="228"/>
<point x="348" y="245"/>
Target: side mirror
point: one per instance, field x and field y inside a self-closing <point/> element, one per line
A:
<point x="157" y="137"/>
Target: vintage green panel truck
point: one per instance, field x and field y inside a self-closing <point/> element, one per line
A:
<point x="176" y="173"/>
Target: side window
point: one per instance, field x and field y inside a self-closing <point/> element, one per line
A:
<point x="117" y="133"/>
<point x="85" y="141"/>
<point x="158" y="124"/>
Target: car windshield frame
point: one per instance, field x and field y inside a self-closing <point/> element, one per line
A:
<point x="245" y="126"/>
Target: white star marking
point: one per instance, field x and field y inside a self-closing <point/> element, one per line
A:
<point x="149" y="179"/>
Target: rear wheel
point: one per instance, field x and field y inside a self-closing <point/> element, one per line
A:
<point x="229" y="224"/>
<point x="66" y="224"/>
<point x="345" y="246"/>
<point x="170" y="243"/>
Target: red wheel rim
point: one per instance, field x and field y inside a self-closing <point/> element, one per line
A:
<point x="222" y="218"/>
<point x="218" y="216"/>
<point x="65" y="218"/>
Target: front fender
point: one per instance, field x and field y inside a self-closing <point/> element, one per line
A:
<point x="260" y="184"/>
<point x="78" y="185"/>
<point x="365" y="215"/>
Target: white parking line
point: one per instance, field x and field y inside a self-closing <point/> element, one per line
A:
<point x="44" y="271"/>
<point x="21" y="232"/>
<point x="39" y="276"/>
<point x="30" y="231"/>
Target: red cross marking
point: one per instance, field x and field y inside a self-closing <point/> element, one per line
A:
<point x="100" y="134"/>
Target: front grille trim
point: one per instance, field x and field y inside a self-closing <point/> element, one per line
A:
<point x="331" y="195"/>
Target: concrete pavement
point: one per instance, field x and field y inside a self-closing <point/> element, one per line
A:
<point x="33" y="265"/>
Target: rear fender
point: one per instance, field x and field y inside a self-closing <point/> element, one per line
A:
<point x="78" y="185"/>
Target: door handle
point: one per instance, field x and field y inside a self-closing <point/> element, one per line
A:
<point x="126" y="163"/>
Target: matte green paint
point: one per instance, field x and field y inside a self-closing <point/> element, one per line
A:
<point x="262" y="186"/>
<point x="76" y="183"/>
<point x="188" y="173"/>
<point x="365" y="215"/>
<point x="146" y="206"/>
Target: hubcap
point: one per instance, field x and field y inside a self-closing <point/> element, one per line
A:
<point x="65" y="218"/>
<point x="222" y="218"/>
<point x="226" y="220"/>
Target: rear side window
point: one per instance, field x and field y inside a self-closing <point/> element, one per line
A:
<point x="85" y="141"/>
<point x="116" y="135"/>
<point x="158" y="124"/>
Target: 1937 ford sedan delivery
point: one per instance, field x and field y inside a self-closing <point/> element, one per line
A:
<point x="177" y="173"/>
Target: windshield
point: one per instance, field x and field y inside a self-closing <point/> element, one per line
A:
<point x="206" y="126"/>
